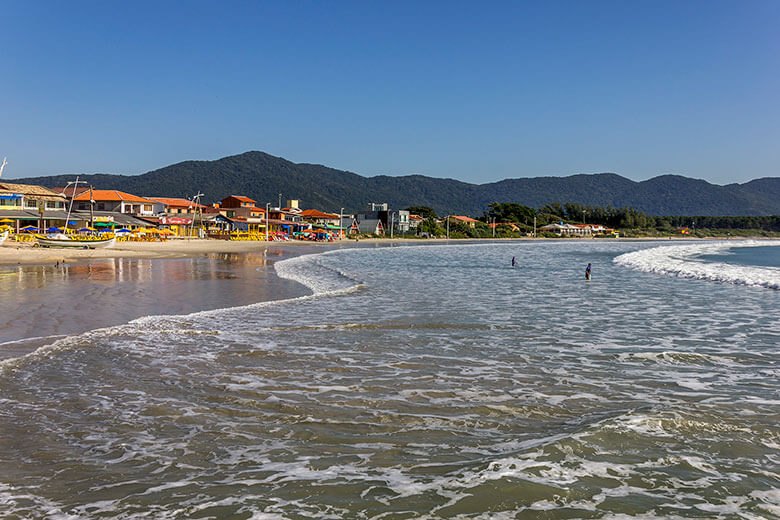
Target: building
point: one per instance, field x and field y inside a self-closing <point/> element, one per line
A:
<point x="470" y="222"/>
<point x="415" y="221"/>
<point x="115" y="201"/>
<point x="31" y="205"/>
<point x="175" y="206"/>
<point x="568" y="230"/>
<point x="399" y="221"/>
<point x="237" y="201"/>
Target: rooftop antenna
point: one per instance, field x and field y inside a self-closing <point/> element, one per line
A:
<point x="2" y="166"/>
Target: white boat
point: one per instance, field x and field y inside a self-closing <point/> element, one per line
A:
<point x="3" y="236"/>
<point x="61" y="240"/>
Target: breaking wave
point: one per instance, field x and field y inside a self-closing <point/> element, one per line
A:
<point x="685" y="261"/>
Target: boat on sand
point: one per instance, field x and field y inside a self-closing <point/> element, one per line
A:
<point x="62" y="240"/>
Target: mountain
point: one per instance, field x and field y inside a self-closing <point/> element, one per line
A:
<point x="262" y="177"/>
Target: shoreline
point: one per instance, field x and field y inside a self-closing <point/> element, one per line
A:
<point x="57" y="278"/>
<point x="23" y="254"/>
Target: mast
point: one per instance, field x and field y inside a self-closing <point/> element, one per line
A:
<point x="2" y="166"/>
<point x="91" y="208"/>
<point x="70" y="207"/>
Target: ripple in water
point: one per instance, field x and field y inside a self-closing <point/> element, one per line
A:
<point x="418" y="382"/>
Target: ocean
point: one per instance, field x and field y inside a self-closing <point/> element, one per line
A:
<point x="427" y="382"/>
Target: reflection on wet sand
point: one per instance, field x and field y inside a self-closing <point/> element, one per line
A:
<point x="63" y="299"/>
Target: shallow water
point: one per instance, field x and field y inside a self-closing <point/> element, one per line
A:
<point x="416" y="382"/>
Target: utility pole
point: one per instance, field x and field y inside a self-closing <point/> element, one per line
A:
<point x="534" y="226"/>
<point x="267" y="205"/>
<point x="583" y="216"/>
<point x="448" y="227"/>
<point x="280" y="201"/>
<point x="341" y="223"/>
<point x="392" y="222"/>
<point x="494" y="227"/>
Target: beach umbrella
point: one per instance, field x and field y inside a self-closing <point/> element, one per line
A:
<point x="165" y="232"/>
<point x="29" y="228"/>
<point x="54" y="230"/>
<point x="7" y="220"/>
<point x="82" y="230"/>
<point x="73" y="223"/>
<point x="123" y="230"/>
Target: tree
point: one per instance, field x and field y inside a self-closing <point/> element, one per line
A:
<point x="424" y="211"/>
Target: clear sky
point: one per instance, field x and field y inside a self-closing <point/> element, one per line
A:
<point x="477" y="91"/>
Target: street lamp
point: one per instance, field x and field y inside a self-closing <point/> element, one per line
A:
<point x="448" y="226"/>
<point x="341" y="223"/>
<point x="267" y="205"/>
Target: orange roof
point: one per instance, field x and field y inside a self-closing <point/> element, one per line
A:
<point x="112" y="195"/>
<point x="174" y="201"/>
<point x="314" y="213"/>
<point x="464" y="219"/>
<point x="241" y="198"/>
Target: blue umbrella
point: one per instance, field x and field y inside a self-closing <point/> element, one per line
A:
<point x="54" y="230"/>
<point x="29" y="228"/>
<point x="84" y="229"/>
<point x="73" y="223"/>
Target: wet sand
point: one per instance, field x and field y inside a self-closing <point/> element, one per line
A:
<point x="41" y="303"/>
<point x="52" y="293"/>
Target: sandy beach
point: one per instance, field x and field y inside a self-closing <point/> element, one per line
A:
<point x="12" y="253"/>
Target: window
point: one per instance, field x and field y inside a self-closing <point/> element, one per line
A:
<point x="148" y="207"/>
<point x="51" y="205"/>
<point x="30" y="203"/>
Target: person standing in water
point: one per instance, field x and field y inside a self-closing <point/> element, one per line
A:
<point x="514" y="262"/>
<point x="587" y="272"/>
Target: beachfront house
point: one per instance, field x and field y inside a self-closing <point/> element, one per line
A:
<point x="175" y="206"/>
<point x="468" y="221"/>
<point x="568" y="230"/>
<point x="24" y="205"/>
<point x="398" y="220"/>
<point x="113" y="201"/>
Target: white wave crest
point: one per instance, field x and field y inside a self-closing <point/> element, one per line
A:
<point x="307" y="271"/>
<point x="681" y="261"/>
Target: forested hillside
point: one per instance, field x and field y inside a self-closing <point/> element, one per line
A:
<point x="263" y="177"/>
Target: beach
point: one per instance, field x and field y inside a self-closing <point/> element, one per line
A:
<point x="52" y="293"/>
<point x="13" y="253"/>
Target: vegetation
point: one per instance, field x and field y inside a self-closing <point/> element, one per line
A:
<point x="263" y="177"/>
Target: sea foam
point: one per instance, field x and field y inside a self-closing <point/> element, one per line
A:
<point x="683" y="261"/>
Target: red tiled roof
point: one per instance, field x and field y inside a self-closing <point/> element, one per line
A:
<point x="464" y="219"/>
<point x="68" y="190"/>
<point x="178" y="202"/>
<point x="240" y="198"/>
<point x="112" y="195"/>
<point x="314" y="213"/>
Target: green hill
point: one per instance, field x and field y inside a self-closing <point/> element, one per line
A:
<point x="262" y="177"/>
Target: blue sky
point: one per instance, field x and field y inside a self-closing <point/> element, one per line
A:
<point x="477" y="91"/>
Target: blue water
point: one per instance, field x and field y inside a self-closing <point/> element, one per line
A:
<point x="766" y="256"/>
